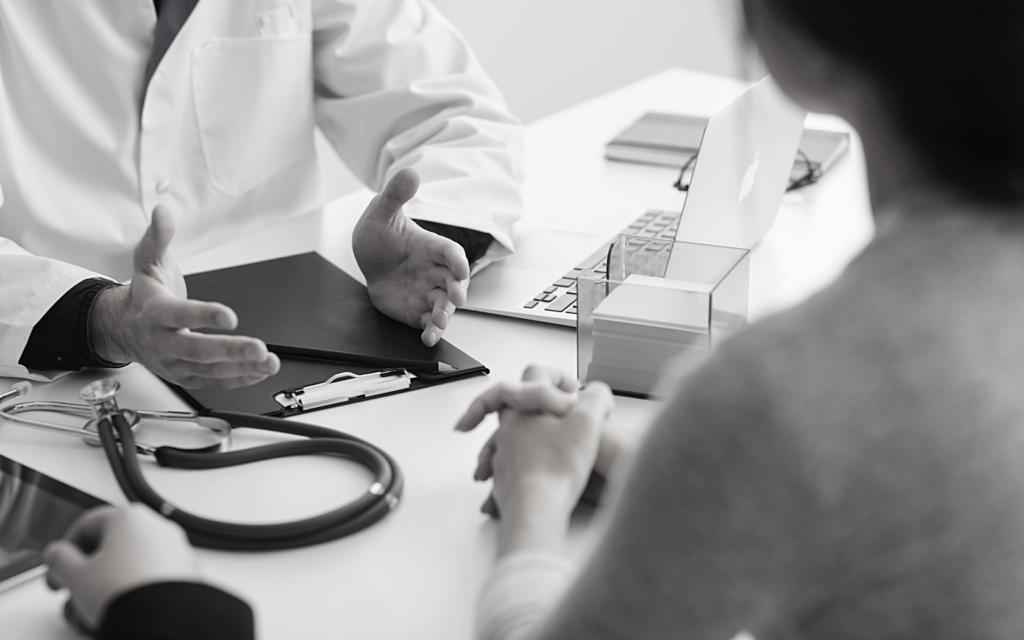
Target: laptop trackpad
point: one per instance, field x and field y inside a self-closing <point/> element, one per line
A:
<point x="547" y="250"/>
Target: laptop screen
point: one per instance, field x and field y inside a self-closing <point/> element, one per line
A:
<point x="743" y="168"/>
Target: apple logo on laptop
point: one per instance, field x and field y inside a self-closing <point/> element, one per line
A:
<point x="748" y="179"/>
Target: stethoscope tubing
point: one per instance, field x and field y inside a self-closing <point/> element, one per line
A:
<point x="213" y="534"/>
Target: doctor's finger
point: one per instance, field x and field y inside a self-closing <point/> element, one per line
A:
<point x="153" y="245"/>
<point x="430" y="335"/>
<point x="559" y="377"/>
<point x="205" y="348"/>
<point x="224" y="370"/>
<point x="435" y="276"/>
<point x="453" y="256"/>
<point x="175" y="313"/>
<point x="447" y="257"/>
<point x="457" y="290"/>
<point x="389" y="202"/>
<point x="199" y="381"/>
<point x="442" y="308"/>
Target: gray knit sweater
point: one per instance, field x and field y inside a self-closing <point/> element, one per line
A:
<point x="853" y="468"/>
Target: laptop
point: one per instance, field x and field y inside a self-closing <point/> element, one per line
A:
<point x="739" y="178"/>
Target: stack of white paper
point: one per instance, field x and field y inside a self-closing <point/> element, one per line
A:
<point x="642" y="324"/>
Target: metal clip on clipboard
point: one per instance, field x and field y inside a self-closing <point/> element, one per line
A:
<point x="344" y="387"/>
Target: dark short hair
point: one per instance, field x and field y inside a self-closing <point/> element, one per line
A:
<point x="952" y="74"/>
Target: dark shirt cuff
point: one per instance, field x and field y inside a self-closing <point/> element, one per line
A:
<point x="475" y="243"/>
<point x="60" y="340"/>
<point x="177" y="610"/>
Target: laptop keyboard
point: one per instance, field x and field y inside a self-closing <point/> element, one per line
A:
<point x="560" y="297"/>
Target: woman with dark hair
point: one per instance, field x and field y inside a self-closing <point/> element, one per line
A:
<point x="853" y="468"/>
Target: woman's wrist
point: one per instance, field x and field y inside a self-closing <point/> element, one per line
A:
<point x="536" y="517"/>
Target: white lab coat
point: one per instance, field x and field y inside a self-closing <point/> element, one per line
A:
<point x="224" y="136"/>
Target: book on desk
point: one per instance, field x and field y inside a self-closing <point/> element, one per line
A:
<point x="671" y="140"/>
<point x="334" y="346"/>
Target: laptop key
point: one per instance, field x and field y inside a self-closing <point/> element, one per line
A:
<point x="565" y="282"/>
<point x="531" y="304"/>
<point x="550" y="290"/>
<point x="563" y="303"/>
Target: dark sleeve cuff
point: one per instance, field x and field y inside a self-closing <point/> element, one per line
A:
<point x="60" y="340"/>
<point x="475" y="243"/>
<point x="177" y="611"/>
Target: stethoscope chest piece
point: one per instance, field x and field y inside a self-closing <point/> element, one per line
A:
<point x="92" y="426"/>
<point x="209" y="434"/>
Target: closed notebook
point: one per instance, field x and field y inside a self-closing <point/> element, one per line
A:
<point x="311" y="313"/>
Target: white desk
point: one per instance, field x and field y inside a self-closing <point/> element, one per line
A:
<point x="416" y="574"/>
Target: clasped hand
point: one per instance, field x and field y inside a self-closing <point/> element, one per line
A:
<point x="549" y="439"/>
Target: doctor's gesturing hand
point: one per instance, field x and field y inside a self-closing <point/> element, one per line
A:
<point x="150" y="320"/>
<point x="413" y="276"/>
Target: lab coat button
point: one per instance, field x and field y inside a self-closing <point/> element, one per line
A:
<point x="163" y="186"/>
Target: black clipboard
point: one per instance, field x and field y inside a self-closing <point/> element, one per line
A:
<point x="313" y="312"/>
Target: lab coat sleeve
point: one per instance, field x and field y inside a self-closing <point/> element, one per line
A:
<point x="29" y="286"/>
<point x="397" y="86"/>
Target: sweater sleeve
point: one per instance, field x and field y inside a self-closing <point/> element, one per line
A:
<point x="520" y="592"/>
<point x="177" y="611"/>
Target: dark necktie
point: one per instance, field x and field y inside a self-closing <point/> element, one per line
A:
<point x="171" y="16"/>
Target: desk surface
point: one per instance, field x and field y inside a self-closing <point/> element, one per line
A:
<point x="416" y="574"/>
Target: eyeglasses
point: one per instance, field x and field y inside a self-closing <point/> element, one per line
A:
<point x="811" y="175"/>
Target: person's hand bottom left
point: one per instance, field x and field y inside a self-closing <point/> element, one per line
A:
<point x="109" y="551"/>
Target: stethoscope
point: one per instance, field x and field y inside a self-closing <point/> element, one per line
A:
<point x="112" y="428"/>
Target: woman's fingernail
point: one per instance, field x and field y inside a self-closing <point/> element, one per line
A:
<point x="432" y="337"/>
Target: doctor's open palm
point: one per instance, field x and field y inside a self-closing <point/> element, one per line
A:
<point x="151" y="322"/>
<point x="413" y="276"/>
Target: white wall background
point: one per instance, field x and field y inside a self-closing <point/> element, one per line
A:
<point x="549" y="54"/>
<point x="546" y="55"/>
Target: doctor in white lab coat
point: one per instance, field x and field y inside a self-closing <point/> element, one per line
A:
<point x="116" y="137"/>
